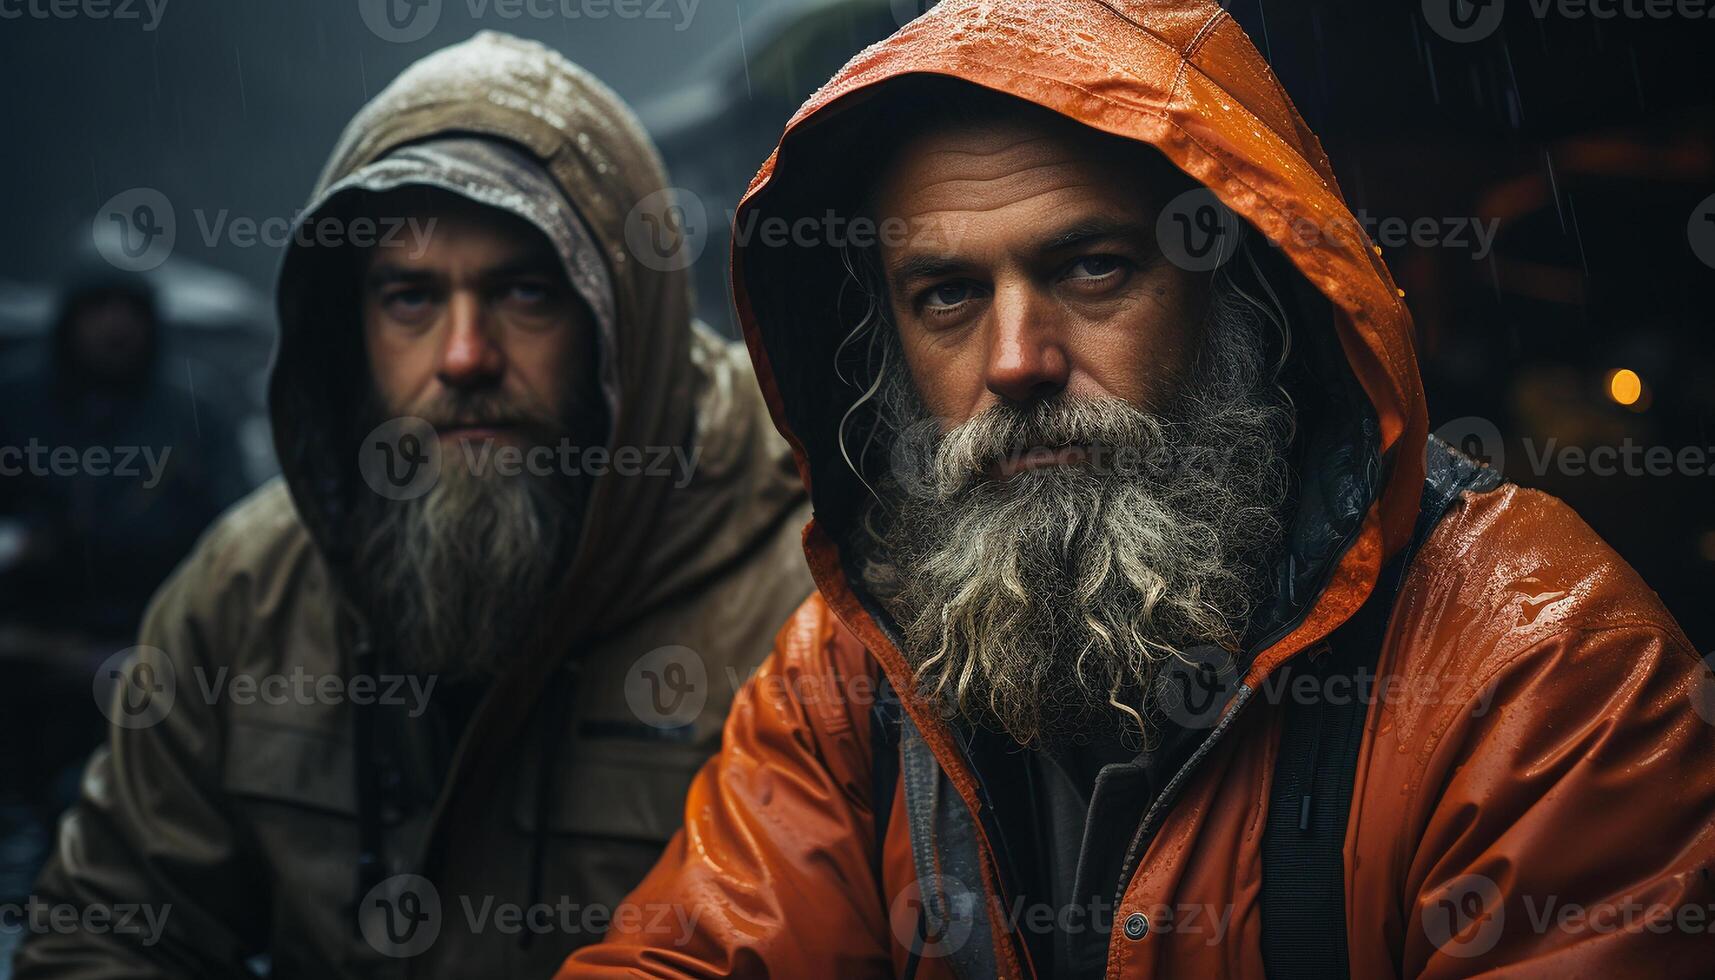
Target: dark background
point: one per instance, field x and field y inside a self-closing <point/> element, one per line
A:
<point x="1591" y="140"/>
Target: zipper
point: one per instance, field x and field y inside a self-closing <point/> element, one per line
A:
<point x="1152" y="817"/>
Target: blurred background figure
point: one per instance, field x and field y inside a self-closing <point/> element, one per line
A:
<point x="87" y="541"/>
<point x="110" y="467"/>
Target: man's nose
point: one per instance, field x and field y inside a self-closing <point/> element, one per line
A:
<point x="469" y="355"/>
<point x="1027" y="358"/>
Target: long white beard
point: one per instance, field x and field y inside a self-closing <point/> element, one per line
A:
<point x="1044" y="605"/>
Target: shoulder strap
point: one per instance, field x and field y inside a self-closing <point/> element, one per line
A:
<point x="1303" y="868"/>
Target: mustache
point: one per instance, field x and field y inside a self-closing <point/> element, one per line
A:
<point x="1006" y="433"/>
<point x="488" y="409"/>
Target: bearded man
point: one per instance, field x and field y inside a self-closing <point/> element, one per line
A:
<point x="429" y="704"/>
<point x="1209" y="660"/>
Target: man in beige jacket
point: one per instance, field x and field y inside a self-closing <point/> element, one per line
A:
<point x="428" y="705"/>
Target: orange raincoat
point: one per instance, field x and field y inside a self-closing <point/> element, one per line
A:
<point x="1555" y="763"/>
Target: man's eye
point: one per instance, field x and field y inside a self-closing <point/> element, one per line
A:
<point x="407" y="300"/>
<point x="946" y="295"/>
<point x="527" y="292"/>
<point x="1096" y="267"/>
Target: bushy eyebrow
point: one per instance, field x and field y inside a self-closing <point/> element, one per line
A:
<point x="1090" y="231"/>
<point x="389" y="274"/>
<point x="1081" y="233"/>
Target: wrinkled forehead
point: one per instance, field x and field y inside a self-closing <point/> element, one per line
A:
<point x="948" y="145"/>
<point x="423" y="226"/>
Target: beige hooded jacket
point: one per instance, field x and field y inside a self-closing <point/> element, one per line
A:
<point x="254" y="825"/>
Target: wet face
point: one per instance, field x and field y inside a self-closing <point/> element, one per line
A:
<point x="477" y="329"/>
<point x="1030" y="270"/>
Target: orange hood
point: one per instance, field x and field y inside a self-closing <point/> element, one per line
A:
<point x="1182" y="77"/>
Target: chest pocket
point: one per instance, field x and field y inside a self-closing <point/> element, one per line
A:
<point x="302" y="767"/>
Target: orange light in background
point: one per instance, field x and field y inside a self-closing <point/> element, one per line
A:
<point x="1626" y="388"/>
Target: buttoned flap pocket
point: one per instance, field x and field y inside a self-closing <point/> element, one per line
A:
<point x="294" y="765"/>
<point x="619" y="788"/>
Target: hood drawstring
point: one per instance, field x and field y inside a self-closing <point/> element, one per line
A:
<point x="561" y="689"/>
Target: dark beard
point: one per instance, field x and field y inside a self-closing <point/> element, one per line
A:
<point x="1043" y="606"/>
<point x="455" y="581"/>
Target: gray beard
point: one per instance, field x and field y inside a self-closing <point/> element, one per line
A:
<point x="1043" y="606"/>
<point x="456" y="579"/>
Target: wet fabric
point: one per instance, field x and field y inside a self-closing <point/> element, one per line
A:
<point x="1549" y="744"/>
<point x="268" y="827"/>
